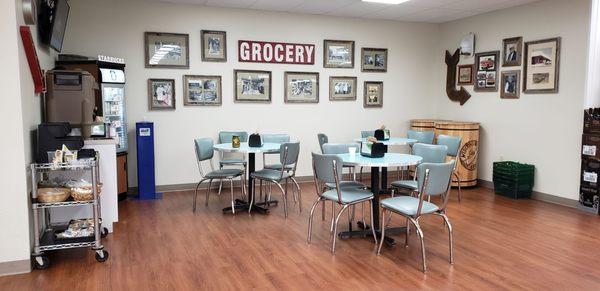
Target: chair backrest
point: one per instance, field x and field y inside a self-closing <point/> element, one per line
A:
<point x="438" y="177"/>
<point x="204" y="149"/>
<point x="275" y="138"/>
<point x="225" y="136"/>
<point x="430" y="153"/>
<point x="422" y="136"/>
<point x="452" y="142"/>
<point x="323" y="166"/>
<point x="367" y="133"/>
<point x="323" y="139"/>
<point x="289" y="153"/>
<point x="338" y="148"/>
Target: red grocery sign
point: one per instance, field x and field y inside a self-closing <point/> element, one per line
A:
<point x="276" y="52"/>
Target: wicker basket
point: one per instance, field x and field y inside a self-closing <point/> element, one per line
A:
<point x="85" y="193"/>
<point x="53" y="195"/>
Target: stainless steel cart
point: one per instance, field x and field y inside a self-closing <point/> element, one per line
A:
<point x="45" y="238"/>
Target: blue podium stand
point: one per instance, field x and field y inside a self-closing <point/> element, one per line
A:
<point x="144" y="135"/>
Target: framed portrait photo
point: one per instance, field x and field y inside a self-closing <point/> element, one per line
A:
<point x="301" y="87"/>
<point x="202" y="90"/>
<point x="342" y="88"/>
<point x="542" y="64"/>
<point x="161" y="94"/>
<point x="166" y="50"/>
<point x="373" y="59"/>
<point x="510" y="87"/>
<point x="252" y="86"/>
<point x="486" y="65"/>
<point x="214" y="46"/>
<point x="465" y="75"/>
<point x="373" y="96"/>
<point x="338" y="54"/>
<point x="512" y="51"/>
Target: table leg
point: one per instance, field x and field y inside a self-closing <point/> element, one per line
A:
<point x="384" y="174"/>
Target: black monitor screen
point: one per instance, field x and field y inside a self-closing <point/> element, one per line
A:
<point x="59" y="24"/>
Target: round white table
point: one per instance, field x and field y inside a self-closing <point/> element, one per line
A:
<point x="251" y="151"/>
<point x="392" y="141"/>
<point x="389" y="160"/>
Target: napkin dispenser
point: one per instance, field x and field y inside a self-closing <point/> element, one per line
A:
<point x="255" y="140"/>
<point x="373" y="149"/>
<point x="382" y="134"/>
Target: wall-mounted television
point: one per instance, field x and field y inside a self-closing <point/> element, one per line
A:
<point x="52" y="22"/>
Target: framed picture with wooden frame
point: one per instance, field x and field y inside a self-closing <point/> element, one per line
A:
<point x="464" y="75"/>
<point x="542" y="66"/>
<point x="373" y="59"/>
<point x="338" y="54"/>
<point x="486" y="71"/>
<point x="510" y="88"/>
<point x="373" y="95"/>
<point x="342" y="88"/>
<point x="301" y="87"/>
<point x="512" y="51"/>
<point x="252" y="86"/>
<point x="202" y="90"/>
<point x="166" y="50"/>
<point x="161" y="94"/>
<point x="214" y="45"/>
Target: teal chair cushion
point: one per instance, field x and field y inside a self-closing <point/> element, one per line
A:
<point x="348" y="195"/>
<point x="346" y="184"/>
<point x="204" y="148"/>
<point x="271" y="175"/>
<point x="408" y="205"/>
<point x="408" y="184"/>
<point x="425" y="137"/>
<point x="278" y="167"/>
<point x="430" y="153"/>
<point x="232" y="161"/>
<point x="224" y="173"/>
<point x="452" y="142"/>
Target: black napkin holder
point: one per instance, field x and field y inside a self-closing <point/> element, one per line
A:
<point x="380" y="134"/>
<point x="255" y="141"/>
<point x="378" y="150"/>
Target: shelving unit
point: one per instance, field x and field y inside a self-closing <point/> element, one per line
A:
<point x="45" y="233"/>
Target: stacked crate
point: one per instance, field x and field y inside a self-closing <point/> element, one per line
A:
<point x="589" y="189"/>
<point x="512" y="179"/>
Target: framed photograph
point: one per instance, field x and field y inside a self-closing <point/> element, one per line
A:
<point x="342" y="88"/>
<point x="465" y="75"/>
<point x="252" y="86"/>
<point x="202" y="90"/>
<point x="542" y="64"/>
<point x="338" y="53"/>
<point x="510" y="87"/>
<point x="166" y="50"/>
<point x="214" y="46"/>
<point x="512" y="51"/>
<point x="161" y="94"/>
<point x="301" y="87"/>
<point x="373" y="96"/>
<point x="486" y="65"/>
<point x="373" y="59"/>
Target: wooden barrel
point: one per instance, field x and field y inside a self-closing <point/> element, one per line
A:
<point x="424" y="124"/>
<point x="469" y="148"/>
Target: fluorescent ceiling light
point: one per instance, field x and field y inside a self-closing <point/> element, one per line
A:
<point x="386" y="1"/>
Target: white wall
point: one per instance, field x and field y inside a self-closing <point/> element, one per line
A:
<point x="117" y="28"/>
<point x="541" y="129"/>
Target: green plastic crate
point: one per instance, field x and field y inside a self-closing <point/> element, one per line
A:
<point x="512" y="179"/>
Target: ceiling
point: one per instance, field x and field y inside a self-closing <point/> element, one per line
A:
<point x="431" y="11"/>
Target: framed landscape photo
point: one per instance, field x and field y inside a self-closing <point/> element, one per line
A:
<point x="512" y="51"/>
<point x="214" y="45"/>
<point x="373" y="96"/>
<point x="374" y="59"/>
<point x="161" y="94"/>
<point x="166" y="50"/>
<point x="338" y="53"/>
<point x="510" y="86"/>
<point x="342" y="88"/>
<point x="542" y="64"/>
<point x="252" y="86"/>
<point x="202" y="90"/>
<point x="486" y="66"/>
<point x="465" y="75"/>
<point x="301" y="87"/>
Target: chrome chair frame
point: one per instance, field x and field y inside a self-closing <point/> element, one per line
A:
<point x="244" y="164"/>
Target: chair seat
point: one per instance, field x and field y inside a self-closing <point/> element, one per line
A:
<point x="224" y="173"/>
<point x="271" y="175"/>
<point x="348" y="195"/>
<point x="408" y="205"/>
<point x="233" y="161"/>
<point x="347" y="184"/>
<point x="408" y="184"/>
<point x="277" y="167"/>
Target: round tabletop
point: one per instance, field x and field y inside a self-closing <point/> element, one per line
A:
<point x="244" y="148"/>
<point x="392" y="141"/>
<point x="389" y="160"/>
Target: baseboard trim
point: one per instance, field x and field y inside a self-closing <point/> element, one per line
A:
<point x="15" y="267"/>
<point x="539" y="196"/>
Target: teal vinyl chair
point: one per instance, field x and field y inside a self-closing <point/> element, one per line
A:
<point x="425" y="137"/>
<point x="434" y="180"/>
<point x="203" y="147"/>
<point x="327" y="169"/>
<point x="323" y="139"/>
<point x="430" y="154"/>
<point x="367" y="133"/>
<point x="273" y="138"/>
<point x="453" y="144"/>
<point x="288" y="153"/>
<point x="232" y="159"/>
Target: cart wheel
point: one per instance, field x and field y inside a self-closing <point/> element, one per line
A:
<point x="104" y="232"/>
<point x="101" y="256"/>
<point x="41" y="262"/>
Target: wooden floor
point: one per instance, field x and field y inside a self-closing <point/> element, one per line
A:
<point x="499" y="244"/>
